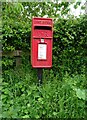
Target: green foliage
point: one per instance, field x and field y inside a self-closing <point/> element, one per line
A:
<point x="23" y="98"/>
<point x="63" y="92"/>
<point x="69" y="42"/>
<point x="17" y="21"/>
<point x="16" y="27"/>
<point x="70" y="45"/>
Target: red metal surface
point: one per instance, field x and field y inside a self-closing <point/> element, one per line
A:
<point x="42" y="33"/>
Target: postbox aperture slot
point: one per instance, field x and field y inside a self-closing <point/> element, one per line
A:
<point x="43" y="27"/>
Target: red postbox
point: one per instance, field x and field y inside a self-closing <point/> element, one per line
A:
<point x="41" y="42"/>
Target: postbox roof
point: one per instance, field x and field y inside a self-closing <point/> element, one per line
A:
<point x="37" y="21"/>
<point x="41" y="18"/>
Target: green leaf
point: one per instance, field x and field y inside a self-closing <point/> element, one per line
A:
<point x="26" y="116"/>
<point x="28" y="105"/>
<point x="80" y="94"/>
<point x="40" y="99"/>
<point x="54" y="113"/>
<point x="29" y="92"/>
<point x="37" y="116"/>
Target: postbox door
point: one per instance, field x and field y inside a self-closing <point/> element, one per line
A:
<point x="42" y="53"/>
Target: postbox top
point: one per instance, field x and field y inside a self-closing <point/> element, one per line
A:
<point x="37" y="21"/>
<point x="39" y="18"/>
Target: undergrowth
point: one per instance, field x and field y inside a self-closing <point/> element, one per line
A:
<point x="55" y="98"/>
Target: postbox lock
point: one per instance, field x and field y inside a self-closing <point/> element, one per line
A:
<point x="42" y="40"/>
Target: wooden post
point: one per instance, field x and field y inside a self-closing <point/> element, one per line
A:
<point x="18" y="61"/>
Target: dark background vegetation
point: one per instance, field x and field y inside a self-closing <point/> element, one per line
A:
<point x="62" y="94"/>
